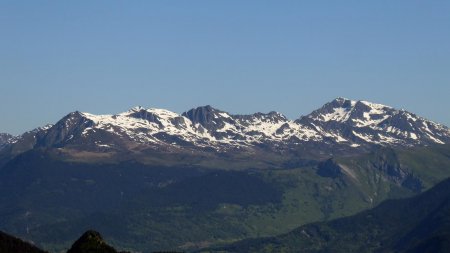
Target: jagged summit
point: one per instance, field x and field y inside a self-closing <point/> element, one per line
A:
<point x="342" y="122"/>
<point x="208" y="117"/>
<point x="341" y="109"/>
<point x="136" y="108"/>
<point x="356" y="121"/>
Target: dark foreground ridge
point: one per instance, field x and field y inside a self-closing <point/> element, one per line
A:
<point x="11" y="244"/>
<point x="90" y="242"/>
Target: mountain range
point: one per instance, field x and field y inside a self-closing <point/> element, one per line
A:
<point x="341" y="124"/>
<point x="152" y="180"/>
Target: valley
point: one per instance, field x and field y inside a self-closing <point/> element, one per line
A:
<point x="151" y="180"/>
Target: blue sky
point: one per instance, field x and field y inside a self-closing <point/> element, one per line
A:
<point x="239" y="56"/>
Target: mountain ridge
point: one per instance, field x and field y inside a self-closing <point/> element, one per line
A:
<point x="89" y="242"/>
<point x="340" y="126"/>
<point x="4" y="139"/>
<point x="9" y="243"/>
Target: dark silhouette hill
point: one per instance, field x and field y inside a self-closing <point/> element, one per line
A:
<point x="11" y="244"/>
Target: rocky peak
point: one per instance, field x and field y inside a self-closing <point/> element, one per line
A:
<point x="5" y="138"/>
<point x="202" y="114"/>
<point x="365" y="122"/>
<point x="209" y="117"/>
<point x="142" y="113"/>
<point x="64" y="130"/>
<point x="274" y="117"/>
<point x="90" y="242"/>
<point x="336" y="110"/>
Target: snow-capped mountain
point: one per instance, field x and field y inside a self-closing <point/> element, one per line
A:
<point x="341" y="122"/>
<point x="361" y="122"/>
<point x="247" y="129"/>
<point x="202" y="127"/>
<point x="4" y="139"/>
<point x="21" y="143"/>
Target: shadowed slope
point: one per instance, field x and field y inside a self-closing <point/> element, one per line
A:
<point x="418" y="224"/>
<point x="10" y="244"/>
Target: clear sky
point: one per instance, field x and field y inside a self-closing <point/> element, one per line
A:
<point x="238" y="56"/>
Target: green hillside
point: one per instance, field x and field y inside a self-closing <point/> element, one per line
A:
<point x="417" y="224"/>
<point x="141" y="207"/>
